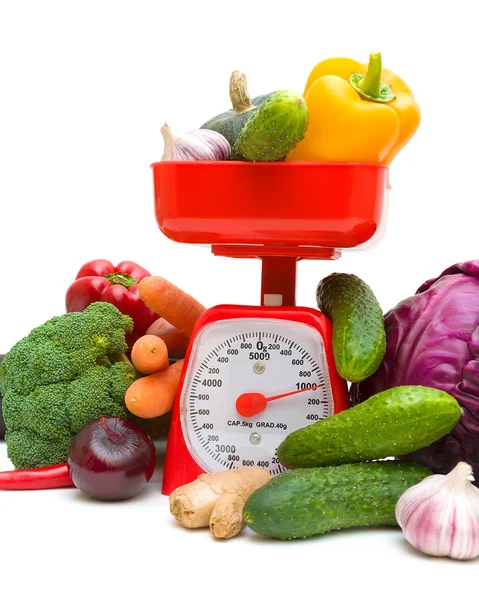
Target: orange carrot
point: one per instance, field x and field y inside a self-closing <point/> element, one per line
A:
<point x="149" y="354"/>
<point x="176" y="342"/>
<point x="165" y="299"/>
<point x="153" y="395"/>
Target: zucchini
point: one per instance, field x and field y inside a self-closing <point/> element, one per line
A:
<point x="231" y="122"/>
<point x="307" y="502"/>
<point x="359" y="334"/>
<point x="391" y="423"/>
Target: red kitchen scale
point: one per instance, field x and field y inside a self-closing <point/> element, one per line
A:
<point x="253" y="374"/>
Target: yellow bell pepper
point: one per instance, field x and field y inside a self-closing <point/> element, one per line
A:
<point x="357" y="113"/>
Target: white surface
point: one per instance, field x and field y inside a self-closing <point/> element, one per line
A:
<point x="65" y="545"/>
<point x="85" y="89"/>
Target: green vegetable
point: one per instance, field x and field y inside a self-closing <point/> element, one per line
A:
<point x="275" y="128"/>
<point x="359" y="338"/>
<point x="231" y="122"/>
<point x="306" y="502"/>
<point x="391" y="423"/>
<point x="61" y="376"/>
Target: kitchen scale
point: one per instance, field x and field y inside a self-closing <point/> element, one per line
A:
<point x="254" y="374"/>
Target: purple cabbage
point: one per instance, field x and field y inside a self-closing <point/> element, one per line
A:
<point x="433" y="340"/>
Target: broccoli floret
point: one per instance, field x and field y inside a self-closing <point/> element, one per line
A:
<point x="121" y="375"/>
<point x="92" y="396"/>
<point x="62" y="375"/>
<point x="27" y="450"/>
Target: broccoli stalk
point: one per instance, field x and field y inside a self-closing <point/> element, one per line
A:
<point x="62" y="375"/>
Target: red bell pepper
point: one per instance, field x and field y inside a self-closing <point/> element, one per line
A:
<point x="100" y="281"/>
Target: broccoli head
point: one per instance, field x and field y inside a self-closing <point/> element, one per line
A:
<point x="62" y="375"/>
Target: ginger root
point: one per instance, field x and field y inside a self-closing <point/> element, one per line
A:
<point x="216" y="500"/>
<point x="226" y="520"/>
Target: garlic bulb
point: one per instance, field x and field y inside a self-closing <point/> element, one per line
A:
<point x="440" y="515"/>
<point x="201" y="144"/>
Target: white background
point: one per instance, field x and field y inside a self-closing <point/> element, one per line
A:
<point x="84" y="89"/>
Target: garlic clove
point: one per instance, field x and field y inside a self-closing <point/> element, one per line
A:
<point x="440" y="515"/>
<point x="201" y="144"/>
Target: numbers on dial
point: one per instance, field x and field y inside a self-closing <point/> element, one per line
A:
<point x="263" y="361"/>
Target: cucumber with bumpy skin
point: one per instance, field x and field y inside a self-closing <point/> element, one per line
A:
<point x="393" y="422"/>
<point x="307" y="502"/>
<point x="274" y="129"/>
<point x="359" y="334"/>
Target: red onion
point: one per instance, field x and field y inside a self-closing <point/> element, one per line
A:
<point x="111" y="459"/>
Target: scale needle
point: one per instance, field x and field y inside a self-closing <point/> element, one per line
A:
<point x="250" y="404"/>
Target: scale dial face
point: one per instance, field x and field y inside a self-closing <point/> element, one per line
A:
<point x="260" y="356"/>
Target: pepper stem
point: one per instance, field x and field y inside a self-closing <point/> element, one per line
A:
<point x="121" y="279"/>
<point x="115" y="437"/>
<point x="369" y="86"/>
<point x="371" y="83"/>
<point x="239" y="93"/>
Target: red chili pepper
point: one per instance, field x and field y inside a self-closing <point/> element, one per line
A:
<point x="44" y="478"/>
<point x="100" y="281"/>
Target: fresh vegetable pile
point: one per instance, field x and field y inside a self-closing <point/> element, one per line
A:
<point x="81" y="404"/>
<point x="85" y="393"/>
<point x="63" y="374"/>
<point x="432" y="341"/>
<point x="348" y="112"/>
<point x="344" y="473"/>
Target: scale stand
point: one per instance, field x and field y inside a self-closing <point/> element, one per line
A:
<point x="278" y="267"/>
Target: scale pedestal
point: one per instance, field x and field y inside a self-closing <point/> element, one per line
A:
<point x="278" y="272"/>
<point x="280" y="213"/>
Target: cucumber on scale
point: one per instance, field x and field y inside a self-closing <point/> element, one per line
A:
<point x="275" y="128"/>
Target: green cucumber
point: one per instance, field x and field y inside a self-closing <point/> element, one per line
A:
<point x="359" y="335"/>
<point x="393" y="422"/>
<point x="274" y="129"/>
<point x="307" y="502"/>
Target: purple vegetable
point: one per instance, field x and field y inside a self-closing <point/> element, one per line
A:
<point x="111" y="459"/>
<point x="433" y="340"/>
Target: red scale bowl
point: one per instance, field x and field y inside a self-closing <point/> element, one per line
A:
<point x="277" y="205"/>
